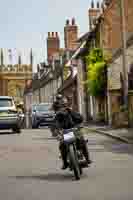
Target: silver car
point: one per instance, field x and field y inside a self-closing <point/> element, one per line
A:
<point x="9" y="117"/>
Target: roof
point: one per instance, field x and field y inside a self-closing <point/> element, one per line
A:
<point x="76" y="53"/>
<point x="83" y="37"/>
<point x="67" y="83"/>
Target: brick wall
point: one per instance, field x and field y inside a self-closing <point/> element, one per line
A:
<point x="111" y="24"/>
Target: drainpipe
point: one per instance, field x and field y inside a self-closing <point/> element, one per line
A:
<point x="86" y="99"/>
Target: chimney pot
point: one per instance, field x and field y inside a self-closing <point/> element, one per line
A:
<point x="73" y="21"/>
<point x="48" y="34"/>
<point x="98" y="5"/>
<point x="56" y="34"/>
<point x="52" y="34"/>
<point x="67" y="22"/>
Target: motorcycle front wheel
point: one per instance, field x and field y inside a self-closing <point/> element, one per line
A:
<point x="74" y="162"/>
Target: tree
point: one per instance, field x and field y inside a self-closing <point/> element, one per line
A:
<point x="97" y="64"/>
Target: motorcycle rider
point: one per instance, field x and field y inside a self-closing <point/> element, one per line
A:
<point x="63" y="111"/>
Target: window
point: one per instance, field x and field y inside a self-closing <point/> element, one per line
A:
<point x="6" y="102"/>
<point x="43" y="108"/>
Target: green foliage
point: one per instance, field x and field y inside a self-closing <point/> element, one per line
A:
<point x="96" y="72"/>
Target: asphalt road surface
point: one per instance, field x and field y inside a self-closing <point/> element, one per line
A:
<point x="30" y="169"/>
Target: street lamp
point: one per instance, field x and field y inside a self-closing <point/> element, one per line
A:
<point x="51" y="76"/>
<point x="61" y="66"/>
<point x="124" y="60"/>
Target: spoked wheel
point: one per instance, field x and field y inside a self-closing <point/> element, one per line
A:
<point x="74" y="162"/>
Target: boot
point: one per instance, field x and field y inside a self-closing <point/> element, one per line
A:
<point x="85" y="151"/>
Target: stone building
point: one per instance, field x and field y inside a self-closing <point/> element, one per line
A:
<point x="13" y="78"/>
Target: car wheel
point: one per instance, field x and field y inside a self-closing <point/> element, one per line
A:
<point x="16" y="130"/>
<point x="34" y="126"/>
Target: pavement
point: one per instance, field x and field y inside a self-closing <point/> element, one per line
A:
<point x="30" y="169"/>
<point x="122" y="134"/>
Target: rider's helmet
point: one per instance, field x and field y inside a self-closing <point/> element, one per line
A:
<point x="59" y="97"/>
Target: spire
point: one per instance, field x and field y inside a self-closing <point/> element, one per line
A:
<point x="2" y="57"/>
<point x="19" y="59"/>
<point x="31" y="57"/>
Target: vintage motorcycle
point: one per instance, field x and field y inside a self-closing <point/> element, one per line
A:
<point x="75" y="158"/>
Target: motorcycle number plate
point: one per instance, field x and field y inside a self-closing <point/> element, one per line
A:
<point x="69" y="136"/>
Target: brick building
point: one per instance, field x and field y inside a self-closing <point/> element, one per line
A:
<point x="111" y="40"/>
<point x="111" y="24"/>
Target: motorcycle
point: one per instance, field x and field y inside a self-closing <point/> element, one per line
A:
<point x="75" y="158"/>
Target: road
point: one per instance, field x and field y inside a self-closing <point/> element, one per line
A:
<point x="30" y="169"/>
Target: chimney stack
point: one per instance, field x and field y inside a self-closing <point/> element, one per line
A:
<point x="70" y="35"/>
<point x="94" y="12"/>
<point x="53" y="45"/>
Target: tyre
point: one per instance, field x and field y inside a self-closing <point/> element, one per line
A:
<point x="16" y="130"/>
<point x="35" y="126"/>
<point x="74" y="162"/>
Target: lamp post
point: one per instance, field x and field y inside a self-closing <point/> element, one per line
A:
<point x="39" y="82"/>
<point x="124" y="60"/>
<point x="61" y="66"/>
<point x="51" y="76"/>
<point x="40" y="91"/>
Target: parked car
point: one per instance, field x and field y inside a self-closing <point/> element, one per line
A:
<point x="9" y="117"/>
<point x="42" y="114"/>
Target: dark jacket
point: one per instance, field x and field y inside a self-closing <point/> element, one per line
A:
<point x="68" y="118"/>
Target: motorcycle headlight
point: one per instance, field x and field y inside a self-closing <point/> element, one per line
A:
<point x="12" y="112"/>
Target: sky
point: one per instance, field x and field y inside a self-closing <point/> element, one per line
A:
<point x="24" y="24"/>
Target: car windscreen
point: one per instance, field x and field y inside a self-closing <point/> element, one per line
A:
<point x="43" y="108"/>
<point x="6" y="102"/>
